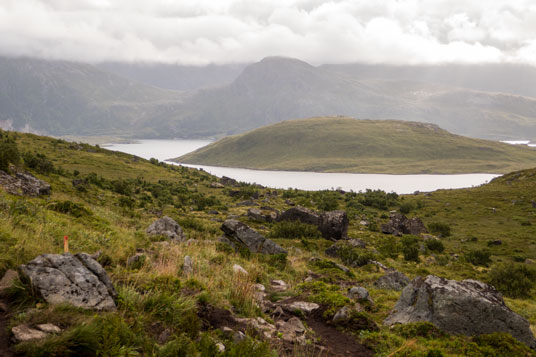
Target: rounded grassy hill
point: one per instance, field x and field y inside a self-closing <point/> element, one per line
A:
<point x="340" y="144"/>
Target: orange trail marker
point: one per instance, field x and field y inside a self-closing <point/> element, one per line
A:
<point x="65" y="244"/>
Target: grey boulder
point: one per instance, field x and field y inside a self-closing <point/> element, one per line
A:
<point x="332" y="224"/>
<point x="166" y="226"/>
<point x="467" y="307"/>
<point x="238" y="232"/>
<point x="24" y="183"/>
<point x="77" y="280"/>
<point x="399" y="224"/>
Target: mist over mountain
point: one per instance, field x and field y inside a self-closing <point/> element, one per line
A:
<point x="177" y="77"/>
<point x="61" y="98"/>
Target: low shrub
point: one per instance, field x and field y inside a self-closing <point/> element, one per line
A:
<point x="39" y="162"/>
<point x="390" y="247"/>
<point x="478" y="257"/>
<point x="410" y="248"/>
<point x="435" y="245"/>
<point x="418" y="329"/>
<point x="70" y="208"/>
<point x="294" y="229"/>
<point x="439" y="228"/>
<point x="513" y="280"/>
<point x="355" y="257"/>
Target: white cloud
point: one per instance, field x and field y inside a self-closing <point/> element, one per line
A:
<point x="223" y="31"/>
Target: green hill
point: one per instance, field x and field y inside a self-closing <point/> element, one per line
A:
<point x="337" y="144"/>
<point x="104" y="201"/>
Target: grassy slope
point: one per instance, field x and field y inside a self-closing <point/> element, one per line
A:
<point x="28" y="228"/>
<point x="364" y="146"/>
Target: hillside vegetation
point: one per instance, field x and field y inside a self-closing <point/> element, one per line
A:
<point x="337" y="144"/>
<point x="105" y="200"/>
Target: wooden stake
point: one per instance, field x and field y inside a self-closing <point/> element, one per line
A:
<point x="65" y="244"/>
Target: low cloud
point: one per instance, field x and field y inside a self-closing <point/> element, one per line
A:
<point x="231" y="31"/>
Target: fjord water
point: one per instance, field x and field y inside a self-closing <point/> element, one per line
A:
<point x="166" y="149"/>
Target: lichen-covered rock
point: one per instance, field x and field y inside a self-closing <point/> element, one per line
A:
<point x="240" y="233"/>
<point x="467" y="307"/>
<point x="7" y="281"/>
<point x="24" y="183"/>
<point x="393" y="281"/>
<point x="73" y="279"/>
<point x="166" y="226"/>
<point x="400" y="224"/>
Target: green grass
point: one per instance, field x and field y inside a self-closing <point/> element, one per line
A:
<point x="363" y="146"/>
<point x="156" y="295"/>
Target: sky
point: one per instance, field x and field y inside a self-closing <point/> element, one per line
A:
<point x="200" y="32"/>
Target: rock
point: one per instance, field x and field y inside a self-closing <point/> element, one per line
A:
<point x="400" y="224"/>
<point x="393" y="281"/>
<point x="343" y="315"/>
<point x="334" y="225"/>
<point x="261" y="326"/>
<point x="382" y="266"/>
<point x="187" y="267"/>
<point x="23" y="333"/>
<point x="364" y="223"/>
<point x="24" y="183"/>
<point x="225" y="240"/>
<point x="351" y="318"/>
<point x="278" y="312"/>
<point x="221" y="347"/>
<point x="291" y="331"/>
<point x="237" y="231"/>
<point x="136" y="261"/>
<point x="49" y="328"/>
<point x="74" y="279"/>
<point x="530" y="261"/>
<point x="300" y="214"/>
<point x="237" y="269"/>
<point x="359" y="293"/>
<point x="279" y="285"/>
<point x="164" y="336"/>
<point x="8" y="280"/>
<point x="216" y="185"/>
<point x="467" y="307"/>
<point x="227" y="181"/>
<point x="262" y="216"/>
<point x="305" y="307"/>
<point x="289" y="202"/>
<point x="238" y="337"/>
<point x="259" y="288"/>
<point x="227" y="331"/>
<point x="495" y="242"/>
<point x="166" y="226"/>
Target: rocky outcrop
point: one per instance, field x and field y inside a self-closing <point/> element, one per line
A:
<point x="400" y="224"/>
<point x="467" y="307"/>
<point x="262" y="215"/>
<point x="24" y="183"/>
<point x="393" y="281"/>
<point x="166" y="226"/>
<point x="238" y="232"/>
<point x="332" y="224"/>
<point x="73" y="279"/>
<point x="227" y="181"/>
<point x="7" y="281"/>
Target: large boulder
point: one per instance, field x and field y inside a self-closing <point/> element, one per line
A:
<point x="240" y="233"/>
<point x="332" y="224"/>
<point x="24" y="183"/>
<point x="400" y="224"/>
<point x="166" y="226"/>
<point x="467" y="307"/>
<point x="73" y="279"/>
<point x="300" y="214"/>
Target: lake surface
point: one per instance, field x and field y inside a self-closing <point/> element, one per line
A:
<point x="164" y="150"/>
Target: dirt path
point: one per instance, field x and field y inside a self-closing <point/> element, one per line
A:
<point x="5" y="341"/>
<point x="336" y="342"/>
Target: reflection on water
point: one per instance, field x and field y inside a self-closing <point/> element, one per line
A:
<point x="166" y="149"/>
